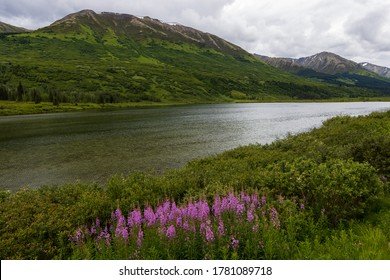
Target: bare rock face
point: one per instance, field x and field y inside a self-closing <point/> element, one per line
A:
<point x="323" y="62"/>
<point x="380" y="70"/>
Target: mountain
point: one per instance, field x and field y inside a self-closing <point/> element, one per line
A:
<point x="380" y="70"/>
<point x="324" y="62"/>
<point x="111" y="57"/>
<point x="124" y="25"/>
<point x="7" y="28"/>
<point x="333" y="69"/>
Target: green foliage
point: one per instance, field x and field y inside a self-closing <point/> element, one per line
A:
<point x="338" y="173"/>
<point x="105" y="63"/>
<point x="338" y="189"/>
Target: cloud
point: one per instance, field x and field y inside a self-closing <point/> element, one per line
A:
<point x="355" y="29"/>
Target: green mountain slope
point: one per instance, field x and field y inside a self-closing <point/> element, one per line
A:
<point x="8" y="28"/>
<point x="107" y="57"/>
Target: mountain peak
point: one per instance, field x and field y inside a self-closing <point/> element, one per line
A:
<point x="136" y="28"/>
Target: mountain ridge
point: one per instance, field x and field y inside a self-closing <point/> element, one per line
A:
<point x="324" y="62"/>
<point x="8" y="28"/>
<point x="380" y="70"/>
<point x="113" y="57"/>
<point x="124" y="24"/>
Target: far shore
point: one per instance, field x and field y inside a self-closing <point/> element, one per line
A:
<point x="10" y="108"/>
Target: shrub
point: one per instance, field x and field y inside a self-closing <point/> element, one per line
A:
<point x="337" y="188"/>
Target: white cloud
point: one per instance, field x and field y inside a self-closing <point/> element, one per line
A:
<point x="355" y="29"/>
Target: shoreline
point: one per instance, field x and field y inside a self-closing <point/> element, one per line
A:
<point x="14" y="108"/>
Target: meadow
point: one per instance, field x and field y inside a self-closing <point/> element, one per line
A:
<point x="323" y="194"/>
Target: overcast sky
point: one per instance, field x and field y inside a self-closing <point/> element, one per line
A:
<point x="355" y="29"/>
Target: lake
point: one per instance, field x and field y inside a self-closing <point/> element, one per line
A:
<point x="92" y="146"/>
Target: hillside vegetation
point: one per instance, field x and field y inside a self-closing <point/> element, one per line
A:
<point x="112" y="58"/>
<point x="323" y="194"/>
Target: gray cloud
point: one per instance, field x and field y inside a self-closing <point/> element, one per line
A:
<point x="356" y="29"/>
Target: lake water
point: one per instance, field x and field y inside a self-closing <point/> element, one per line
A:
<point x="91" y="146"/>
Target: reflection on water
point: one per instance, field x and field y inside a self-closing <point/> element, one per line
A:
<point x="92" y="146"/>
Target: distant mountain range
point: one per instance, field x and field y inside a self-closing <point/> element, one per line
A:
<point x="334" y="69"/>
<point x="7" y="28"/>
<point x="380" y="70"/>
<point x="111" y="57"/>
<point x="324" y="62"/>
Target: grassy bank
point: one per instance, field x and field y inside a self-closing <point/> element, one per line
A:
<point x="8" y="108"/>
<point x="318" y="195"/>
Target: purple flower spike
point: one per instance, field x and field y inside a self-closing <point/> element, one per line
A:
<point x="150" y="217"/>
<point x="171" y="232"/>
<point x="192" y="211"/>
<point x="250" y="216"/>
<point x="234" y="243"/>
<point x="275" y="218"/>
<point x="221" y="228"/>
<point x="225" y="204"/>
<point x="121" y="221"/>
<point x="217" y="206"/>
<point x="209" y="234"/>
<point x="302" y="206"/>
<point x="246" y="198"/>
<point x="97" y="222"/>
<point x="117" y="214"/>
<point x="140" y="238"/>
<point x="240" y="208"/>
<point x="135" y="218"/>
<point x="203" y="210"/>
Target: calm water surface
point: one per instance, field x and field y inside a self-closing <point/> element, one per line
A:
<point x="92" y="146"/>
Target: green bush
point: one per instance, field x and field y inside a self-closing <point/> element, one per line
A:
<point x="338" y="189"/>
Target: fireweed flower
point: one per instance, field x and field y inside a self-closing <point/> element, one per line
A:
<point x="97" y="222"/>
<point x="240" y="208"/>
<point x="280" y="199"/>
<point x="221" y="228"/>
<point x="203" y="210"/>
<point x="250" y="216"/>
<point x="245" y="197"/>
<point x="173" y="213"/>
<point x="115" y="215"/>
<point x="125" y="234"/>
<point x="121" y="221"/>
<point x="233" y="201"/>
<point x="234" y="243"/>
<point x="302" y="206"/>
<point x="217" y="206"/>
<point x="78" y="237"/>
<point x="171" y="232"/>
<point x="179" y="221"/>
<point x="167" y="207"/>
<point x="186" y="227"/>
<point x="263" y="200"/>
<point x="135" y="218"/>
<point x="192" y="211"/>
<point x="255" y="200"/>
<point x="225" y="204"/>
<point x="140" y="238"/>
<point x="149" y="216"/>
<point x="275" y="218"/>
<point x="209" y="234"/>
